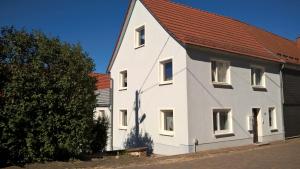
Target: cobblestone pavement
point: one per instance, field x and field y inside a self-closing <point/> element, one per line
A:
<point x="278" y="156"/>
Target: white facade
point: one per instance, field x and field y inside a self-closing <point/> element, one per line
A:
<point x="190" y="94"/>
<point x="240" y="97"/>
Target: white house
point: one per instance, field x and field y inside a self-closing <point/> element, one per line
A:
<point x="199" y="76"/>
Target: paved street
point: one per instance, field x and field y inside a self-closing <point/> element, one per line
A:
<point x="278" y="156"/>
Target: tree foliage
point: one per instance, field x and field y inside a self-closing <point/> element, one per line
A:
<point x="99" y="134"/>
<point x="46" y="97"/>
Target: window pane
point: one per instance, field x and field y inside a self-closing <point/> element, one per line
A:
<point x="168" y="121"/>
<point x="125" y="79"/>
<point x="168" y="71"/>
<point x="222" y="71"/>
<point x="224" y="121"/>
<point x="213" y="71"/>
<point x="252" y="76"/>
<point x="215" y="121"/>
<point x="258" y="76"/>
<point x="142" y="36"/>
<point x="124" y="118"/>
<point x="270" y="117"/>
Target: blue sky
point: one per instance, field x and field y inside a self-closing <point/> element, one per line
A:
<point x="96" y="23"/>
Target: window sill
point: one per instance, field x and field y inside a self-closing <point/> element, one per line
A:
<point x="222" y="85"/>
<point x="273" y="129"/>
<point x="166" y="82"/>
<point x="123" y="128"/>
<point x="167" y="133"/>
<point x="259" y="88"/>
<point x="223" y="133"/>
<point x="137" y="47"/>
<point x="121" y="89"/>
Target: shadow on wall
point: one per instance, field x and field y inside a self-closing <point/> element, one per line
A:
<point x="143" y="140"/>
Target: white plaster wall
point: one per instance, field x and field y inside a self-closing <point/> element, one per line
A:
<point x="142" y="67"/>
<point x="203" y="97"/>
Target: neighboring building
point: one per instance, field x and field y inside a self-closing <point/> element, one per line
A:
<point x="291" y="91"/>
<point x="104" y="100"/>
<point x="200" y="76"/>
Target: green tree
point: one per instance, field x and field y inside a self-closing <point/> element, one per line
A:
<point x="99" y="134"/>
<point x="46" y="97"/>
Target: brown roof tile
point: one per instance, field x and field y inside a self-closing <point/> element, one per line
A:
<point x="103" y="80"/>
<point x="197" y="27"/>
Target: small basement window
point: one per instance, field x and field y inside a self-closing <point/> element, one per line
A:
<point x="123" y="79"/>
<point x="166" y="71"/>
<point x="140" y="36"/>
<point x="167" y="126"/>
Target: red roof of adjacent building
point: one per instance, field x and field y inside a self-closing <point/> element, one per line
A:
<point x="103" y="80"/>
<point x="196" y="27"/>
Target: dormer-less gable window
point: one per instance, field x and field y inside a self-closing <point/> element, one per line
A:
<point x="123" y="80"/>
<point x="140" y="36"/>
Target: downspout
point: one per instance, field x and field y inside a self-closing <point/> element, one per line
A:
<point x="111" y="112"/>
<point x="282" y="98"/>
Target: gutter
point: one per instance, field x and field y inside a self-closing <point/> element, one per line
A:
<point x="111" y="113"/>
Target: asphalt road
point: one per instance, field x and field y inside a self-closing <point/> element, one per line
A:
<point x="281" y="156"/>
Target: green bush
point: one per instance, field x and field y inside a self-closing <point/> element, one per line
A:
<point x="99" y="134"/>
<point x="47" y="98"/>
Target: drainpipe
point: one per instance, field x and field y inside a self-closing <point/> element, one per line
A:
<point x="111" y="112"/>
<point x="282" y="98"/>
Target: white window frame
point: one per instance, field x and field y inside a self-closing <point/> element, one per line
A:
<point x="162" y="63"/>
<point x="121" y="79"/>
<point x="263" y="79"/>
<point x="137" y="36"/>
<point x="121" y="118"/>
<point x="162" y="123"/>
<point x="273" y="118"/>
<point x="250" y="122"/>
<point x="228" y="73"/>
<point x="219" y="132"/>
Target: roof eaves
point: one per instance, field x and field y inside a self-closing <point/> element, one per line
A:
<point x="235" y="52"/>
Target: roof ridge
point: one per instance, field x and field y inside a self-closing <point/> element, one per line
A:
<point x="263" y="29"/>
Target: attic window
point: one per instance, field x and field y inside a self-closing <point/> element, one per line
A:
<point x="140" y="36"/>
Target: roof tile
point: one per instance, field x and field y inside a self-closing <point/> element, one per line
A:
<point x="193" y="26"/>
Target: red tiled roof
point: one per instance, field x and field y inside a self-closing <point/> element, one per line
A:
<point x="103" y="80"/>
<point x="200" y="28"/>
